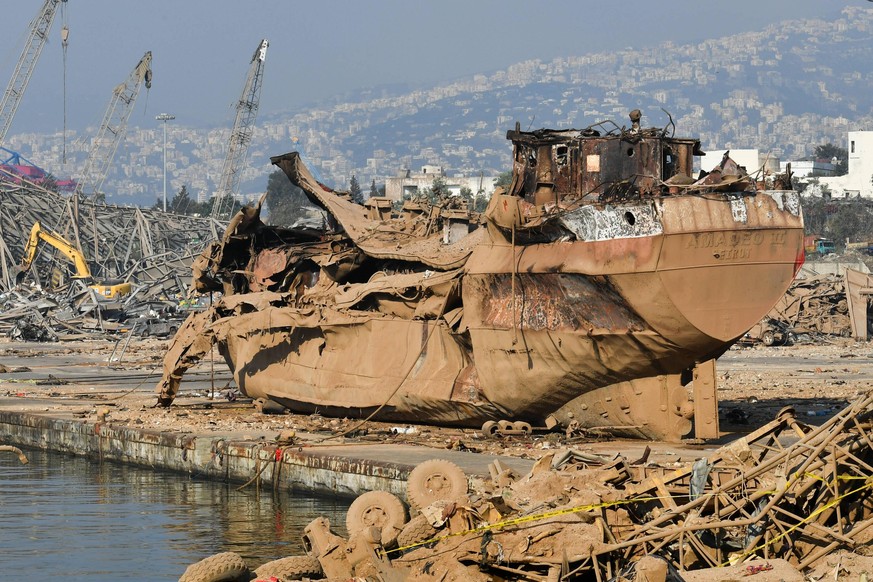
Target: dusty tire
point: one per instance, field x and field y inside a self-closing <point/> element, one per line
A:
<point x="523" y="427"/>
<point x="435" y="480"/>
<point x="293" y="568"/>
<point x="768" y="338"/>
<point x="223" y="567"/>
<point x="489" y="429"/>
<point x="417" y="530"/>
<point x="380" y="509"/>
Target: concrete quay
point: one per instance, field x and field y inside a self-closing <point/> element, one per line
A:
<point x="51" y="395"/>
<point x="344" y="469"/>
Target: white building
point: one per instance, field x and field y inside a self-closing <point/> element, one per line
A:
<point x="859" y="180"/>
<point x="810" y="168"/>
<point x="751" y="159"/>
<point x="408" y="183"/>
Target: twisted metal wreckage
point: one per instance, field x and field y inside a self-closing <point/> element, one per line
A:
<point x="787" y="491"/>
<point x="781" y="498"/>
<point x="150" y="249"/>
<point x="592" y="291"/>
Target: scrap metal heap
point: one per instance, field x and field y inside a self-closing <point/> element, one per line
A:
<point x="823" y="305"/>
<point x="592" y="291"/>
<point x="788" y="492"/>
<point x="151" y="250"/>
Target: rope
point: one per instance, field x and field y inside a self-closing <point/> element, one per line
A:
<point x="403" y="379"/>
<point x="526" y="519"/>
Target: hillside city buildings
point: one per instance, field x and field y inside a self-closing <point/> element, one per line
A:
<point x="783" y="90"/>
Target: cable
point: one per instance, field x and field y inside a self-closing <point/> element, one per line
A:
<point x="403" y="379"/>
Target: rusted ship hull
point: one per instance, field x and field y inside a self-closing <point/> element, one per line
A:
<point x="595" y="311"/>
<point x="578" y="316"/>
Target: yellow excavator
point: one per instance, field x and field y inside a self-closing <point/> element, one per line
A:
<point x="108" y="289"/>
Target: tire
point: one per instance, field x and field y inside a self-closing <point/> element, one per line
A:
<point x="417" y="530"/>
<point x="293" y="568"/>
<point x="223" y="567"/>
<point x="435" y="480"/>
<point x="380" y="509"/>
<point x="489" y="429"/>
<point x="768" y="338"/>
<point x="522" y="426"/>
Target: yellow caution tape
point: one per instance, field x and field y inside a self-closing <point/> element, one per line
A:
<point x="579" y="508"/>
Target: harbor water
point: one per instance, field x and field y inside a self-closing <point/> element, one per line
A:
<point x="70" y="518"/>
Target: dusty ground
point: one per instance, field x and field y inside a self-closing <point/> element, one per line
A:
<point x="815" y="378"/>
<point x="79" y="379"/>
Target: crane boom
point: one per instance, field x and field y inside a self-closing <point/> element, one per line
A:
<point x="113" y="126"/>
<point x="241" y="135"/>
<point x="36" y="38"/>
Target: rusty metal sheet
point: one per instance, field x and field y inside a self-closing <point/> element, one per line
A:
<point x="603" y="267"/>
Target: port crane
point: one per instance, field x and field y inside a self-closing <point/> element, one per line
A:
<point x="241" y="135"/>
<point x="113" y="126"/>
<point x="36" y="38"/>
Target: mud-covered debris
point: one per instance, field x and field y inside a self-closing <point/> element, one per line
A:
<point x="778" y="501"/>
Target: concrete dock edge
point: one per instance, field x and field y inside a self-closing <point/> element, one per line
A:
<point x="214" y="457"/>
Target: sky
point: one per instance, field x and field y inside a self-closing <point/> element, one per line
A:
<point x="320" y="49"/>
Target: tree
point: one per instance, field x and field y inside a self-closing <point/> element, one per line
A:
<point x="504" y="179"/>
<point x="182" y="203"/>
<point x="227" y="204"/>
<point x="467" y="195"/>
<point x="286" y="202"/>
<point x="355" y="190"/>
<point x="839" y="219"/>
<point x="439" y="189"/>
<point x="829" y="151"/>
<point x="373" y="190"/>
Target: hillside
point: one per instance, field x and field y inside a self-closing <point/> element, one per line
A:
<point x="784" y="89"/>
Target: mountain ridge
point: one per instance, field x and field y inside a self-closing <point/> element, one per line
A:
<point x="784" y="89"/>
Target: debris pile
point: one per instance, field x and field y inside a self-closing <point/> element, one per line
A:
<point x="822" y="305"/>
<point x="780" y="499"/>
<point x="138" y="245"/>
<point x="52" y="245"/>
<point x="77" y="311"/>
<point x="816" y="305"/>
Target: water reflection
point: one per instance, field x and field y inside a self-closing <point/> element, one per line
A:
<point x="73" y="519"/>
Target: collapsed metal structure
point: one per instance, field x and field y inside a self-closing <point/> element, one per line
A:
<point x="140" y="245"/>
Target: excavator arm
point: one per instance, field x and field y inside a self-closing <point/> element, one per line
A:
<point x="66" y="248"/>
<point x="110" y="289"/>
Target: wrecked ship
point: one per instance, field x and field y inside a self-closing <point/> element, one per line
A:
<point x="594" y="291"/>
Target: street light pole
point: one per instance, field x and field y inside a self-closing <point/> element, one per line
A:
<point x="165" y="117"/>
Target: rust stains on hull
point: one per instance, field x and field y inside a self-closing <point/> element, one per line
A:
<point x="605" y="270"/>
